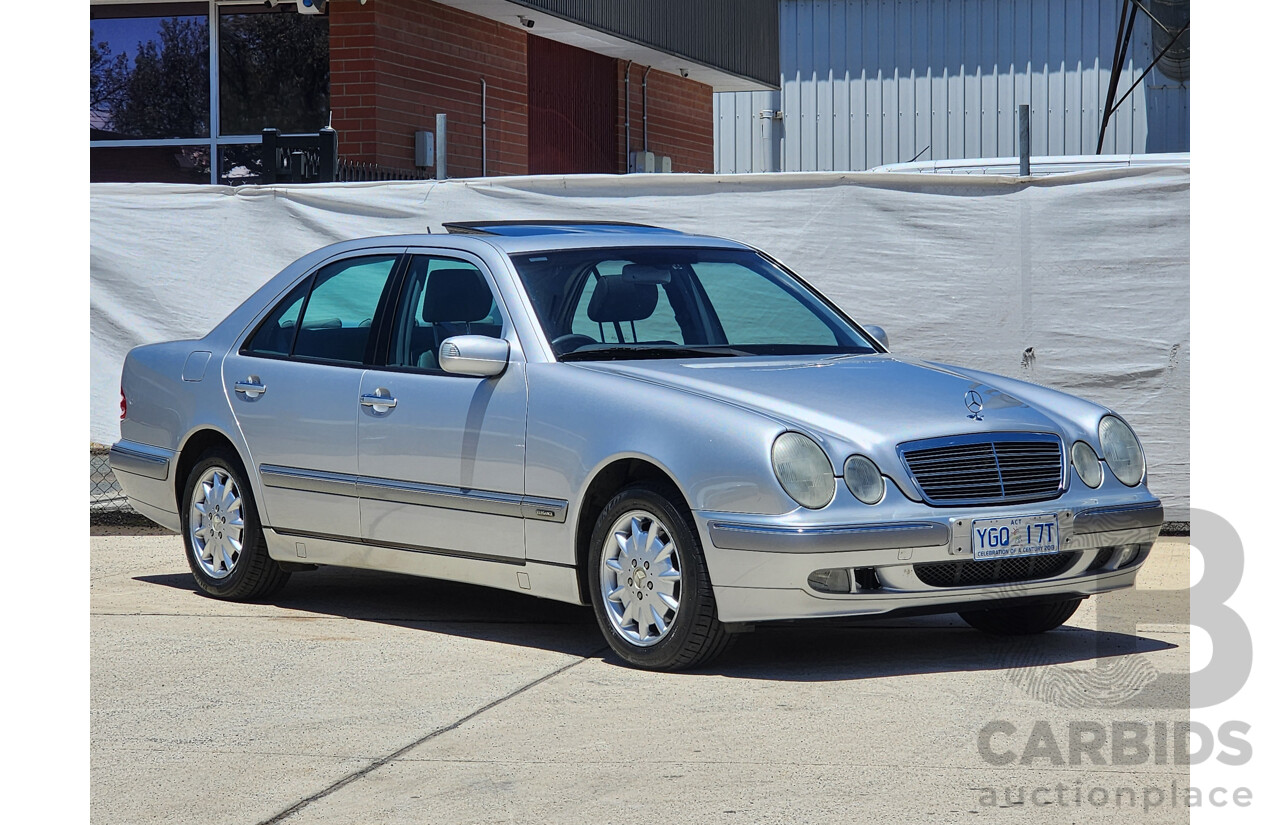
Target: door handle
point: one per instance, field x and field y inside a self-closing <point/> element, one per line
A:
<point x="251" y="387"/>
<point x="380" y="403"/>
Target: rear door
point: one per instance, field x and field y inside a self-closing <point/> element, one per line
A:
<point x="442" y="458"/>
<point x="294" y="386"/>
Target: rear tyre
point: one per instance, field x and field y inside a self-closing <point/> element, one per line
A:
<point x="226" y="549"/>
<point x="649" y="584"/>
<point x="1023" y="620"/>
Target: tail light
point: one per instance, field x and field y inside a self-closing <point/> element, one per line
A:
<point x="124" y="404"/>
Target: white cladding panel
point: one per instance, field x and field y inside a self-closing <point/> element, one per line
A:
<point x="872" y="82"/>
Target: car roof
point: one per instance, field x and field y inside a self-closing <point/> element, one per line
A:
<point x="515" y="229"/>
<point x="521" y="237"/>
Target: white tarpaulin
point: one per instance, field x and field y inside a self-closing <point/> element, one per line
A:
<point x="1080" y="282"/>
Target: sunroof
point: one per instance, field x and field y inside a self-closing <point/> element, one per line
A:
<point x="521" y="228"/>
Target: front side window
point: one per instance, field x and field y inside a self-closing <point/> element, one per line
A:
<point x="441" y="297"/>
<point x="649" y="302"/>
<point x="328" y="317"/>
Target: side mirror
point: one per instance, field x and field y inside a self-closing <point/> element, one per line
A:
<point x="477" y="355"/>
<point x="878" y="333"/>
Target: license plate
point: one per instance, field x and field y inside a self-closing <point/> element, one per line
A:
<point x="1002" y="538"/>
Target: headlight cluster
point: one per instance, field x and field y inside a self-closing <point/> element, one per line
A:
<point x="862" y="477"/>
<point x="805" y="473"/>
<point x="1086" y="464"/>
<point x="1121" y="450"/>
<point x="803" y="470"/>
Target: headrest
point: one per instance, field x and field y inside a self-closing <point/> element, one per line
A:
<point x="618" y="299"/>
<point x="456" y="294"/>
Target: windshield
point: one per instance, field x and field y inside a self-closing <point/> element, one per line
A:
<point x="609" y="304"/>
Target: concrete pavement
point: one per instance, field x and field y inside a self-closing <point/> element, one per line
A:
<point x="359" y="697"/>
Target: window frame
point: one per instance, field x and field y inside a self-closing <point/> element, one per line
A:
<point x="566" y="312"/>
<point x="382" y="355"/>
<point x="377" y="329"/>
<point x="216" y="140"/>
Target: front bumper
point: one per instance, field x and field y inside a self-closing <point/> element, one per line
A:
<point x="760" y="566"/>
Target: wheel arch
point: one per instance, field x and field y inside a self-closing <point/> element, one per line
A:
<point x="608" y="479"/>
<point x="196" y="444"/>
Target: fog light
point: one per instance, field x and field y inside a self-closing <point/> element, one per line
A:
<point x="1127" y="553"/>
<point x="830" y="580"/>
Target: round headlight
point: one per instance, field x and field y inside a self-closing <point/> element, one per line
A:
<point x="1086" y="464"/>
<point x="862" y="477"/>
<point x="803" y="470"/>
<point x="1121" y="450"/>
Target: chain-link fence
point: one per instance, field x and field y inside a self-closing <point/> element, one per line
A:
<point x="105" y="495"/>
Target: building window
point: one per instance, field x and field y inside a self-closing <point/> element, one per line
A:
<point x="273" y="70"/>
<point x="155" y="114"/>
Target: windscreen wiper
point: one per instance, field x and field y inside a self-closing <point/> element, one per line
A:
<point x="623" y="352"/>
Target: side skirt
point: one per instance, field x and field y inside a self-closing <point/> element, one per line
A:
<point x="549" y="581"/>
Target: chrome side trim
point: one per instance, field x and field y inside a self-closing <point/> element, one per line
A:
<point x="412" y="492"/>
<point x="408" y="548"/>
<point x="139" y="459"/>
<point x="308" y="481"/>
<point x="762" y="539"/>
<point x="1126" y="517"/>
<point x="449" y="498"/>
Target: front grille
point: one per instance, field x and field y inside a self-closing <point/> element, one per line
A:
<point x="986" y="469"/>
<point x="994" y="571"/>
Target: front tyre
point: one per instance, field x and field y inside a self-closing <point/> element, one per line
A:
<point x="226" y="549"/>
<point x="649" y="584"/>
<point x="1022" y="620"/>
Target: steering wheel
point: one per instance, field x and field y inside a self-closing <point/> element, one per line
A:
<point x="570" y="342"/>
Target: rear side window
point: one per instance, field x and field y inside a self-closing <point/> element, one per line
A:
<point x="275" y="336"/>
<point x="329" y="317"/>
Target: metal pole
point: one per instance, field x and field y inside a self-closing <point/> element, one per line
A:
<point x="484" y="129"/>
<point x="442" y="171"/>
<point x="328" y="172"/>
<point x="626" y="123"/>
<point x="1122" y="49"/>
<point x="644" y="104"/>
<point x="1024" y="140"/>
<point x="213" y="92"/>
<point x="270" y="168"/>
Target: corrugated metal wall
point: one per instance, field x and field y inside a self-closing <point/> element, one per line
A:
<point x="871" y="82"/>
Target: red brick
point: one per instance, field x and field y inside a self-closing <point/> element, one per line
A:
<point x="395" y="63"/>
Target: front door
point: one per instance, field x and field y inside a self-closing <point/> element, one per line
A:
<point x="295" y="386"/>
<point x="442" y="455"/>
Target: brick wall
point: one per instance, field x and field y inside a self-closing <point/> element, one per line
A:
<point x="680" y="119"/>
<point x="395" y="64"/>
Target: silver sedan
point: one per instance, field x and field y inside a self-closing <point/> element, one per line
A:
<point x="671" y="428"/>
